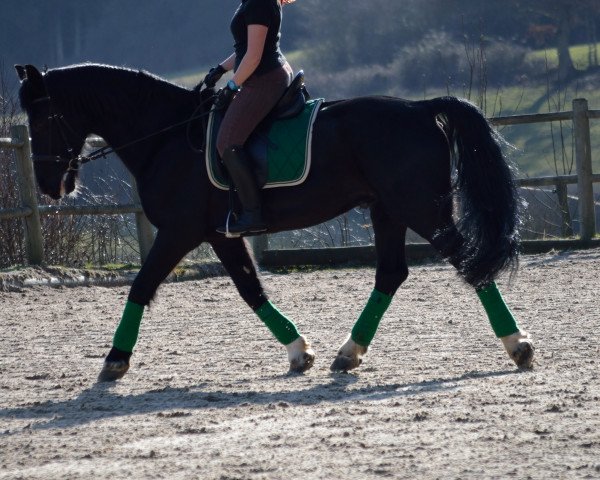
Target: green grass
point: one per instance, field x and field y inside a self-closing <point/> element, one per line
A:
<point x="542" y="149"/>
<point x="112" y="267"/>
<point x="579" y="54"/>
<point x="546" y="148"/>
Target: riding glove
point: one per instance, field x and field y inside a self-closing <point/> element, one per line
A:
<point x="213" y="76"/>
<point x="224" y="97"/>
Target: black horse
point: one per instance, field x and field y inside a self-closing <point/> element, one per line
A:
<point x="434" y="166"/>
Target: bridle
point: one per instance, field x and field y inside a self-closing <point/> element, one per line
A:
<point x="75" y="161"/>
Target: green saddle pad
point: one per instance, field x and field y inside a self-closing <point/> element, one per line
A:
<point x="286" y="145"/>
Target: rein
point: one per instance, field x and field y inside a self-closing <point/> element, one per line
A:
<point x="75" y="161"/>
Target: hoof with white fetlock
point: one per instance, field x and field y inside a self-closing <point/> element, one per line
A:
<point x="349" y="356"/>
<point x="300" y="355"/>
<point x="519" y="348"/>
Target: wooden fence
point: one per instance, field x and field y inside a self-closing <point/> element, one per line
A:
<point x="30" y="211"/>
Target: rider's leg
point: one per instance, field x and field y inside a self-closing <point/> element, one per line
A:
<point x="259" y="94"/>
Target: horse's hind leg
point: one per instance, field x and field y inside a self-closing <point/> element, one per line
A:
<point x="236" y="259"/>
<point x="390" y="274"/>
<point x="516" y="341"/>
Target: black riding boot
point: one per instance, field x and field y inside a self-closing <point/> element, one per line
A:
<point x="250" y="220"/>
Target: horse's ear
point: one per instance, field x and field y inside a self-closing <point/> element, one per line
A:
<point x="35" y="81"/>
<point x="21" y="72"/>
<point x="33" y="74"/>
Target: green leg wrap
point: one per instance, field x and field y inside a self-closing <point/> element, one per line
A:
<point x="365" y="327"/>
<point x="501" y="318"/>
<point x="284" y="329"/>
<point x="127" y="332"/>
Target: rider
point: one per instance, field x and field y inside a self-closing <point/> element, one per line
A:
<point x="261" y="75"/>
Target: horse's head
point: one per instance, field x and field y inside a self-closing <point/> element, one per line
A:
<point x="56" y="139"/>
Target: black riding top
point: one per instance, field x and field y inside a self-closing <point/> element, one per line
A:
<point x="258" y="12"/>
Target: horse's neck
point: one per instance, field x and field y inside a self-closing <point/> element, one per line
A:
<point x="108" y="114"/>
<point x="134" y="106"/>
<point x="126" y="116"/>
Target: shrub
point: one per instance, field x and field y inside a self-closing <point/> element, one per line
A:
<point x="11" y="230"/>
<point x="439" y="60"/>
<point x="434" y="61"/>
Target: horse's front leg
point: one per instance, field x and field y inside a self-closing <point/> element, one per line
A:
<point x="390" y="274"/>
<point x="166" y="252"/>
<point x="235" y="257"/>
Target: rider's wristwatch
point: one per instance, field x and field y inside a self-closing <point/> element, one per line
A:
<point x="232" y="86"/>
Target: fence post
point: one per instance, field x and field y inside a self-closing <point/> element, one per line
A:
<point x="583" y="159"/>
<point x="145" y="232"/>
<point x="25" y="178"/>
<point x="566" y="226"/>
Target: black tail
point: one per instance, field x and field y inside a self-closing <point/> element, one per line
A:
<point x="488" y="203"/>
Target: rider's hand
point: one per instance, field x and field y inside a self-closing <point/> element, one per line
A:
<point x="225" y="95"/>
<point x="213" y="76"/>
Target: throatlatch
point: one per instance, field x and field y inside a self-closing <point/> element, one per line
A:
<point x="502" y="320"/>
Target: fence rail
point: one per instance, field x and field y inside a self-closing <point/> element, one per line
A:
<point x="30" y="211"/>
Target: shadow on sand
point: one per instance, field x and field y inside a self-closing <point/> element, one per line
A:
<point x="100" y="402"/>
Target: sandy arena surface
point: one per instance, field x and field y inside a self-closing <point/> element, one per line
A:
<point x="208" y="395"/>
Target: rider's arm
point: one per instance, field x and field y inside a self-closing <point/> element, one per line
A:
<point x="257" y="35"/>
<point x="228" y="63"/>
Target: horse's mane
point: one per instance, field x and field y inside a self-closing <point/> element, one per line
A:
<point x="96" y="72"/>
<point x="117" y="85"/>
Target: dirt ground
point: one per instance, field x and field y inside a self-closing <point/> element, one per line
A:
<point x="208" y="395"/>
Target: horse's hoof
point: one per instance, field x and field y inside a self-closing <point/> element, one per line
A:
<point x="112" y="371"/>
<point x="349" y="356"/>
<point x="343" y="363"/>
<point x="519" y="348"/>
<point x="304" y="363"/>
<point x="300" y="355"/>
<point x="523" y="355"/>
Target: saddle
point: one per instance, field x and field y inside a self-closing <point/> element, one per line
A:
<point x="292" y="101"/>
<point x="279" y="147"/>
